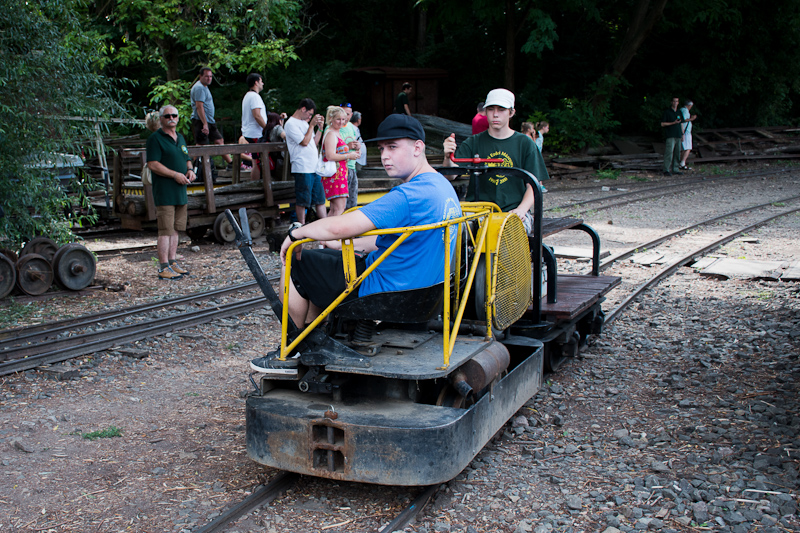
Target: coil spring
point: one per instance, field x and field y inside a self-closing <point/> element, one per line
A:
<point x="364" y="331"/>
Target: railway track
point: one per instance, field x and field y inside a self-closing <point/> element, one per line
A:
<point x="659" y="191"/>
<point x="282" y="482"/>
<point x="687" y="257"/>
<point x="26" y="348"/>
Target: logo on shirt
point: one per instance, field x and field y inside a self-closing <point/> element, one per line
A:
<point x="184" y="149"/>
<point x="452" y="209"/>
<point x="507" y="162"/>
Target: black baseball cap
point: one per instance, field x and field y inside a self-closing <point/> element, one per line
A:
<point x="397" y="126"/>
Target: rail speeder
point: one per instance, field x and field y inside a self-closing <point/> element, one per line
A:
<point x="405" y="388"/>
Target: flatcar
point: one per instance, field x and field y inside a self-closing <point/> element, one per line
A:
<point x="405" y="388"/>
<point x="268" y="200"/>
<point x="135" y="207"/>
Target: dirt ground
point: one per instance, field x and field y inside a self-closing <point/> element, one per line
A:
<point x="157" y="443"/>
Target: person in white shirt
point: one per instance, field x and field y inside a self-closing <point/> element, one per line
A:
<point x="303" y="131"/>
<point x="686" y="140"/>
<point x="541" y="128"/>
<point x="254" y="118"/>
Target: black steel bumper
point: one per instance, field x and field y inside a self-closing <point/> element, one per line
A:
<point x="386" y="442"/>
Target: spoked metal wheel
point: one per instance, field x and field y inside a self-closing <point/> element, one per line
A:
<point x="223" y="231"/>
<point x="8" y="276"/>
<point x="74" y="267"/>
<point x="34" y="274"/>
<point x="10" y="254"/>
<point x="43" y="246"/>
<point x="256" y="223"/>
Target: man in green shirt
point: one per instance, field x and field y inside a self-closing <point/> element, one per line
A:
<point x="168" y="159"/>
<point x="401" y="102"/>
<point x="514" y="148"/>
<point x="671" y="123"/>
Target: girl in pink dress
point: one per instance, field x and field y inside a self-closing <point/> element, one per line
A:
<point x="335" y="149"/>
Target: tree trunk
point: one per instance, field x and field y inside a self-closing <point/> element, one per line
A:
<point x="511" y="47"/>
<point x="646" y="14"/>
<point x="642" y="23"/>
<point x="170" y="57"/>
<point x="422" y="29"/>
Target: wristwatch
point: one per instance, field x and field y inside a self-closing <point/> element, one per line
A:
<point x="292" y="237"/>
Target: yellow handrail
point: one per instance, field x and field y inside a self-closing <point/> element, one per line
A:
<point x="473" y="210"/>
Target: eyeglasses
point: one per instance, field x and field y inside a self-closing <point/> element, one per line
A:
<point x="346" y="105"/>
<point x="169" y="115"/>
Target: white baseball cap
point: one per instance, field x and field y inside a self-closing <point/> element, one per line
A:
<point x="500" y="97"/>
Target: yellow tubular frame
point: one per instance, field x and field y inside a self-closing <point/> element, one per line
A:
<point x="473" y="210"/>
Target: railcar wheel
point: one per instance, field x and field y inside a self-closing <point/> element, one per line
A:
<point x="555" y="353"/>
<point x="256" y="223"/>
<point x="10" y="254"/>
<point x="223" y="231"/>
<point x="34" y="274"/>
<point x="43" y="246"/>
<point x="449" y="397"/>
<point x="74" y="267"/>
<point x="8" y="276"/>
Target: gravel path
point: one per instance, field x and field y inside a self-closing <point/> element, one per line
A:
<point x="682" y="416"/>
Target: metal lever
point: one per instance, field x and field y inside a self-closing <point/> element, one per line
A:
<point x="245" y="225"/>
<point x="477" y="160"/>
<point x="245" y="245"/>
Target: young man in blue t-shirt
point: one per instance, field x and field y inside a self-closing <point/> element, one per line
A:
<point x="424" y="197"/>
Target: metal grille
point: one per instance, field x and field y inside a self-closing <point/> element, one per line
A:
<point x="512" y="273"/>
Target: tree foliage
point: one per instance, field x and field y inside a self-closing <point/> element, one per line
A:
<point x="178" y="35"/>
<point x="48" y="71"/>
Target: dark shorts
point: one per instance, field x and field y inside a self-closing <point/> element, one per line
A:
<point x="171" y="218"/>
<point x="202" y="138"/>
<point x="319" y="275"/>
<point x="255" y="155"/>
<point x="308" y="190"/>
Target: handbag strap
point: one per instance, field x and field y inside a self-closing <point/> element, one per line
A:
<point x="322" y="145"/>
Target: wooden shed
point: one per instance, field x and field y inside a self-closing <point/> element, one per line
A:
<point x="381" y="85"/>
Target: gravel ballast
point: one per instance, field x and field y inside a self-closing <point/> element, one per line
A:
<point x="682" y="416"/>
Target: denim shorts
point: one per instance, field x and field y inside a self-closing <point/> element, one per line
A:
<point x="308" y="190"/>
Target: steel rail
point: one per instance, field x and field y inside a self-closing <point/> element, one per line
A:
<point x="694" y="177"/>
<point x="658" y="240"/>
<point x="410" y="512"/>
<point x="27" y="350"/>
<point x="680" y="186"/>
<point x="260" y="496"/>
<point x="95" y="342"/>
<point x="30" y="333"/>
<point x="675" y="265"/>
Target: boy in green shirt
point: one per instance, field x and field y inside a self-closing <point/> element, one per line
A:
<point x="514" y="148"/>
